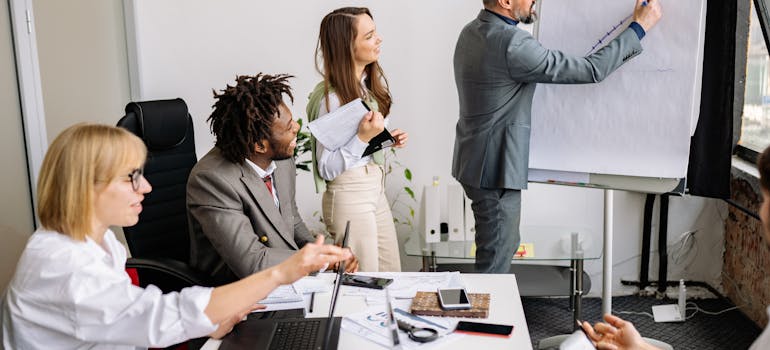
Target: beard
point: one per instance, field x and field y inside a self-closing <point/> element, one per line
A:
<point x="530" y="18"/>
<point x="285" y="154"/>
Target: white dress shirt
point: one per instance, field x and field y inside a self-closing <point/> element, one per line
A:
<point x="264" y="173"/>
<point x="763" y="342"/>
<point x="68" y="294"/>
<point x="333" y="163"/>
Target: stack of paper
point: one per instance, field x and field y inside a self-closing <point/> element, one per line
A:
<point x="333" y="130"/>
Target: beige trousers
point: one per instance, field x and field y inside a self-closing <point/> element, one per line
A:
<point x="358" y="195"/>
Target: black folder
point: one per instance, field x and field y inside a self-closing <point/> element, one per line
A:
<point x="382" y="140"/>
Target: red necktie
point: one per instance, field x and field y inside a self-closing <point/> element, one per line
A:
<point x="269" y="183"/>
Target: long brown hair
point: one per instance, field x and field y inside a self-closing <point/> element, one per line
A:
<point x="335" y="47"/>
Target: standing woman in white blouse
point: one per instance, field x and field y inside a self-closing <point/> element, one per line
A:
<point x="354" y="186"/>
<point x="70" y="289"/>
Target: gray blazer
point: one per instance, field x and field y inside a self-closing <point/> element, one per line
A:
<point x="497" y="67"/>
<point x="235" y="227"/>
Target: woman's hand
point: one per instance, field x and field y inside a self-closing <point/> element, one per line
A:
<point x="616" y="334"/>
<point x="370" y="126"/>
<point x="351" y="264"/>
<point x="312" y="257"/>
<point x="400" y="136"/>
<point x="227" y="325"/>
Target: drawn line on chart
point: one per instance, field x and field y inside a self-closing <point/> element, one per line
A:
<point x="609" y="33"/>
<point x="652" y="70"/>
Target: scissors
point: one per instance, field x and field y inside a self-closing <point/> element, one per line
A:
<point x="418" y="334"/>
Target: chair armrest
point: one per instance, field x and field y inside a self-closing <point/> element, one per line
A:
<point x="167" y="274"/>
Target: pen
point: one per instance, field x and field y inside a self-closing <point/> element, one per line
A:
<point x="644" y="3"/>
<point x="312" y="299"/>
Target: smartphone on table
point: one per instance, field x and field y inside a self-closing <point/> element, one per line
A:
<point x="453" y="299"/>
<point x="365" y="281"/>
<point x="499" y="330"/>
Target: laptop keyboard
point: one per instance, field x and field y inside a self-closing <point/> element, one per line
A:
<point x="296" y="335"/>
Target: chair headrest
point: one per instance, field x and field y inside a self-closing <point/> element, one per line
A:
<point x="163" y="123"/>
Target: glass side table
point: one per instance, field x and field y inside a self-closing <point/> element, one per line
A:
<point x="539" y="243"/>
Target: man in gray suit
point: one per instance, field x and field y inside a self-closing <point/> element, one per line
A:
<point x="240" y="196"/>
<point x="497" y="66"/>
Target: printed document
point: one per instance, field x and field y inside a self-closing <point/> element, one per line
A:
<point x="333" y="130"/>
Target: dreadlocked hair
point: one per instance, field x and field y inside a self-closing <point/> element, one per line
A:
<point x="243" y="113"/>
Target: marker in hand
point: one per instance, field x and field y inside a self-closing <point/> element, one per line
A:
<point x="644" y="3"/>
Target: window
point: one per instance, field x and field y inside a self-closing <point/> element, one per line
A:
<point x="755" y="129"/>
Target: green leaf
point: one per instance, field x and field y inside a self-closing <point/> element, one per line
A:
<point x="409" y="191"/>
<point x="408" y="174"/>
<point x="411" y="212"/>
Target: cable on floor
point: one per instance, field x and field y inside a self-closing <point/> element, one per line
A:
<point x="689" y="306"/>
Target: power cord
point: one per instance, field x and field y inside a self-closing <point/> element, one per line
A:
<point x="712" y="313"/>
<point x="680" y="249"/>
<point x="692" y="306"/>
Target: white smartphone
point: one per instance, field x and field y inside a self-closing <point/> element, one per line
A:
<point x="453" y="299"/>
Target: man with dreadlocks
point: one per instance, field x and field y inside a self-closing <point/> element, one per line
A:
<point x="240" y="195"/>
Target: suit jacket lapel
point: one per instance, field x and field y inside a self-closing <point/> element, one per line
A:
<point x="282" y="183"/>
<point x="259" y="191"/>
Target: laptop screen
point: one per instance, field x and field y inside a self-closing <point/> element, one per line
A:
<point x="336" y="291"/>
<point x="340" y="272"/>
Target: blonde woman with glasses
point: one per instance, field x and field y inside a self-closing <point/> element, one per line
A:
<point x="70" y="289"/>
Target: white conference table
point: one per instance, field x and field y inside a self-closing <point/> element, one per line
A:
<point x="505" y="308"/>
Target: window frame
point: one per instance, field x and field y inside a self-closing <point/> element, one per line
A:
<point x="763" y="14"/>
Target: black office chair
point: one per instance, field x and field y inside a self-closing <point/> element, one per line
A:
<point x="159" y="243"/>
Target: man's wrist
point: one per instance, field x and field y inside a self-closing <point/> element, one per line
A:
<point x="638" y="29"/>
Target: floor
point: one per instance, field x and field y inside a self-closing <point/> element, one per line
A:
<point x="727" y="330"/>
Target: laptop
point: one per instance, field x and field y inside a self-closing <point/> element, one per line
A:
<point x="291" y="333"/>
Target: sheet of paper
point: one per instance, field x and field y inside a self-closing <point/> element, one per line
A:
<point x="283" y="294"/>
<point x="303" y="303"/>
<point x="371" y="324"/>
<point x="638" y="121"/>
<point x="310" y="284"/>
<point x="539" y="175"/>
<point x="333" y="130"/>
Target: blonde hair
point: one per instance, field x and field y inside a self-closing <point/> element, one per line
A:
<point x="79" y="158"/>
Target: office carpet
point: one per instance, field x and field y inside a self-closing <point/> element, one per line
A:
<point x="730" y="330"/>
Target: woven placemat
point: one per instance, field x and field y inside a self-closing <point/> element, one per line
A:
<point x="426" y="304"/>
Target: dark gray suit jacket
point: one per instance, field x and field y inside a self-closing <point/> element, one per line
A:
<point x="497" y="67"/>
<point x="235" y="227"/>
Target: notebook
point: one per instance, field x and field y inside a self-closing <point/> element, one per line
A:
<point x="427" y="304"/>
<point x="291" y="333"/>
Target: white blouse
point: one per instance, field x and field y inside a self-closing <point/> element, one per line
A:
<point x="70" y="294"/>
<point x="333" y="163"/>
<point x="763" y="342"/>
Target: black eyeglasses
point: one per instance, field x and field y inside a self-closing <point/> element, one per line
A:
<point x="136" y="178"/>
